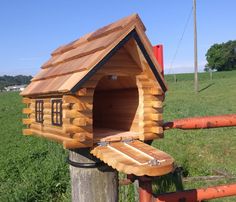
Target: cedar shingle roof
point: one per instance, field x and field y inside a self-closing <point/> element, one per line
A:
<point x="70" y="63"/>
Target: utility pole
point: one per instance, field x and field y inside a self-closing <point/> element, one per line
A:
<point x="195" y="48"/>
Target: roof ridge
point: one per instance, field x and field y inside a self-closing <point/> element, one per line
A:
<point x="121" y="36"/>
<point x="101" y="32"/>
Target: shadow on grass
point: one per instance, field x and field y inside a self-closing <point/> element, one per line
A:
<point x="168" y="183"/>
<point x="208" y="86"/>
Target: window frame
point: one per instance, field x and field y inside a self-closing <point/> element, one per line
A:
<point x="39" y="111"/>
<point x="56" y="112"/>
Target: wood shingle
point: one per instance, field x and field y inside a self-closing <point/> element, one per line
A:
<point x="70" y="63"/>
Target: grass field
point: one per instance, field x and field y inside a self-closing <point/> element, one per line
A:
<point x="33" y="169"/>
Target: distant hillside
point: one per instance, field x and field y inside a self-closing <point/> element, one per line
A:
<point x="202" y="76"/>
<point x="13" y="80"/>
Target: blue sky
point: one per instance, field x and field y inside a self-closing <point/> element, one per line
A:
<point x="31" y="30"/>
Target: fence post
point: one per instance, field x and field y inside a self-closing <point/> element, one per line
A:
<point x="91" y="184"/>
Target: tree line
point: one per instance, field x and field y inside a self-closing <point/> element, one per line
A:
<point x="13" y="80"/>
<point x="221" y="57"/>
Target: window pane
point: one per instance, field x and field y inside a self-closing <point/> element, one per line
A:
<point x="57" y="112"/>
<point x="39" y="111"/>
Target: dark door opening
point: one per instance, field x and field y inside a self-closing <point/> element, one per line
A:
<point x="115" y="105"/>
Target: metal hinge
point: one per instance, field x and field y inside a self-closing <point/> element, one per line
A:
<point x="103" y="144"/>
<point x="155" y="162"/>
<point x="128" y="140"/>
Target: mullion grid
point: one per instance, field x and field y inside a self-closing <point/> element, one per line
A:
<point x="57" y="112"/>
<point x="39" y="111"/>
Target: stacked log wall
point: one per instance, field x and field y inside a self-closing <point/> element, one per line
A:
<point x="152" y="98"/>
<point x="77" y="128"/>
<point x="69" y="134"/>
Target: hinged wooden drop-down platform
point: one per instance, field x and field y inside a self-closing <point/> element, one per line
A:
<point x="134" y="157"/>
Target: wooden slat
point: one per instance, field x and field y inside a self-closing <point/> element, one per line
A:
<point x="89" y="121"/>
<point x="115" y="69"/>
<point x="27" y="111"/>
<point x="70" y="99"/>
<point x="36" y="126"/>
<point x="26" y="100"/>
<point x="153" y="117"/>
<point x="51" y="136"/>
<point x="77" y="114"/>
<point x="46" y="111"/>
<point x="153" y="91"/>
<point x="74" y="99"/>
<point x="157" y="117"/>
<point x="132" y="49"/>
<point x="157" y="104"/>
<point x="152" y="123"/>
<point x="107" y="134"/>
<point x="57" y="130"/>
<point x="82" y="106"/>
<point x="149" y="98"/>
<point x="90" y="84"/>
<point x="68" y="143"/>
<point x="66" y="105"/>
<point x="27" y="131"/>
<point x="147" y="84"/>
<point x="150" y="136"/>
<point x="77" y="53"/>
<point x="32" y="116"/>
<point x="47" y="117"/>
<point x="27" y="121"/>
<point x="154" y="129"/>
<point x="73" y="144"/>
<point x="97" y="76"/>
<point x="85" y="92"/>
<point x="86" y="49"/>
<point x="79" y="122"/>
<point x="100" y="33"/>
<point x="123" y="159"/>
<point x="107" y="30"/>
<point x="151" y="110"/>
<point x="148" y="110"/>
<point x="81" y="137"/>
<point x="130" y="152"/>
<point x="47" y="121"/>
<point x="149" y="49"/>
<point x="66" y="120"/>
<point x="155" y="153"/>
<point x="107" y="139"/>
<point x="68" y="128"/>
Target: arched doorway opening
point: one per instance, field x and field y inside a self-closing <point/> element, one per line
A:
<point x="115" y="108"/>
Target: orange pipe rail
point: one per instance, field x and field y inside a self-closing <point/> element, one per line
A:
<point x="145" y="191"/>
<point x="202" y="122"/>
<point x="198" y="194"/>
<point x="145" y="187"/>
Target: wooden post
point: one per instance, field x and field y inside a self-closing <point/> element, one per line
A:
<point x="195" y="48"/>
<point x="92" y="184"/>
<point x="175" y="79"/>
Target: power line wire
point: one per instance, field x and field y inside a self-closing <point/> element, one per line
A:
<point x="180" y="40"/>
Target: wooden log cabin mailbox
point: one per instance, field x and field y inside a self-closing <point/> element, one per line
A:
<point x="103" y="91"/>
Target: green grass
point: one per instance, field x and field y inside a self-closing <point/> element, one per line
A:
<point x="34" y="169"/>
<point x="201" y="152"/>
<point x="31" y="169"/>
